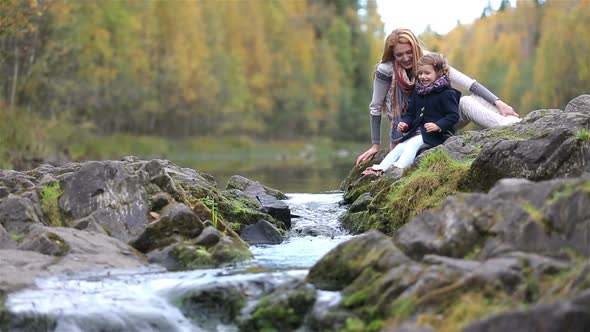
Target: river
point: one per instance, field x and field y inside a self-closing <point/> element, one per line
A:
<point x="147" y="300"/>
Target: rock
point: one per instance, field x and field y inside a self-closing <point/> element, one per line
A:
<point x="44" y="241"/>
<point x="557" y="317"/>
<point x="189" y="256"/>
<point x="262" y="232"/>
<point x="361" y="203"/>
<point x="343" y="264"/>
<point x="253" y="188"/>
<point x="218" y="304"/>
<point x="106" y="190"/>
<point x="208" y="237"/>
<point x="269" y="199"/>
<point x="17" y="213"/>
<point x="87" y="252"/>
<point x="159" y="200"/>
<point x="89" y="224"/>
<point x="177" y="223"/>
<point x="16" y="182"/>
<point x="284" y="309"/>
<point x="579" y="104"/>
<point x="5" y="241"/>
<point x="159" y="176"/>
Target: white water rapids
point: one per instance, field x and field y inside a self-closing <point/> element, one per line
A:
<point x="147" y="300"/>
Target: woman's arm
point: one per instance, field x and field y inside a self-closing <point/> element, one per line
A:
<point x="458" y="79"/>
<point x="381" y="84"/>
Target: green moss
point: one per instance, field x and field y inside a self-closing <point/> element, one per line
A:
<point x="465" y="309"/>
<point x="508" y="132"/>
<point x="49" y="196"/>
<point x="582" y="136"/>
<point x="564" y="192"/>
<point x="356" y="325"/>
<point x="529" y="289"/>
<point x="106" y="229"/>
<point x="566" y="282"/>
<point x="281" y="310"/>
<point x="537" y="216"/>
<point x="230" y="252"/>
<point x="64" y="248"/>
<point x="475" y="251"/>
<point x="191" y="257"/>
<point x="16" y="237"/>
<point x="403" y="307"/>
<point x="437" y="177"/>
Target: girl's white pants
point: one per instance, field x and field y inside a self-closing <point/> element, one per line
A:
<point x="403" y="154"/>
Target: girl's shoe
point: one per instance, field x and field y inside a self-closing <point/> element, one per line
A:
<point x="370" y="170"/>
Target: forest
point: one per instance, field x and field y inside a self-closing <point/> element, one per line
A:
<point x="270" y="71"/>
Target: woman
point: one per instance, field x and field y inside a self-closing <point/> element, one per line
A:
<point x="394" y="83"/>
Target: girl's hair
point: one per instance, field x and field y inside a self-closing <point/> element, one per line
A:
<point x="402" y="36"/>
<point x="437" y="61"/>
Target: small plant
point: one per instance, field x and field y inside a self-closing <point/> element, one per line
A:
<point x="583" y="136"/>
<point x="16" y="237"/>
<point x="49" y="195"/>
<point x="210" y="203"/>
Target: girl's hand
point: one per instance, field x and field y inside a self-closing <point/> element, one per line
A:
<point x="431" y="127"/>
<point x="505" y="109"/>
<point x="402" y="127"/>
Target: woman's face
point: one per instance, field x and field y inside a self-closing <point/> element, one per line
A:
<point x="403" y="55"/>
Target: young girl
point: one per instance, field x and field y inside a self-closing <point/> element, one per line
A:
<point x="432" y="113"/>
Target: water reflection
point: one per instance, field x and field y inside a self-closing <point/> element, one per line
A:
<point x="286" y="176"/>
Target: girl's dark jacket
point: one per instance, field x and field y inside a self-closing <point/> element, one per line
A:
<point x="440" y="107"/>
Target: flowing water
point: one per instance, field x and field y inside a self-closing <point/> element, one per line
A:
<point x="147" y="300"/>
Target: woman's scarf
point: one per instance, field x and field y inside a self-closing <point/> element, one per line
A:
<point x="440" y="83"/>
<point x="399" y="94"/>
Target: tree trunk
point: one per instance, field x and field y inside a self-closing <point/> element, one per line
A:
<point x="14" y="76"/>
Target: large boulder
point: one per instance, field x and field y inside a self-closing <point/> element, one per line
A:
<point x="47" y="251"/>
<point x="547" y="144"/>
<point x="549" y="218"/>
<point x="106" y="190"/>
<point x="270" y="199"/>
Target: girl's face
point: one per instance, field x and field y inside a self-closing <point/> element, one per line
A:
<point x="426" y="74"/>
<point x="404" y="56"/>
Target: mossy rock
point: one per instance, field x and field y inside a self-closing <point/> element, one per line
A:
<point x="396" y="201"/>
<point x="220" y="303"/>
<point x="341" y="266"/>
<point x="241" y="211"/>
<point x="230" y="250"/>
<point x="282" y="310"/>
<point x="189" y="256"/>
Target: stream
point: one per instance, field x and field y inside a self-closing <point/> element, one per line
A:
<point x="148" y="300"/>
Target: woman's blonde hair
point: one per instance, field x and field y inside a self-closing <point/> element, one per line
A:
<point x="437" y="61"/>
<point x="402" y="36"/>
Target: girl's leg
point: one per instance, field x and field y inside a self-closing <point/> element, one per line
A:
<point x="482" y="113"/>
<point x="391" y="157"/>
<point x="409" y="154"/>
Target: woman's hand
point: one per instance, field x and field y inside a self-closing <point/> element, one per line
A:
<point x="402" y="127"/>
<point x="431" y="127"/>
<point x="367" y="154"/>
<point x="505" y="109"/>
